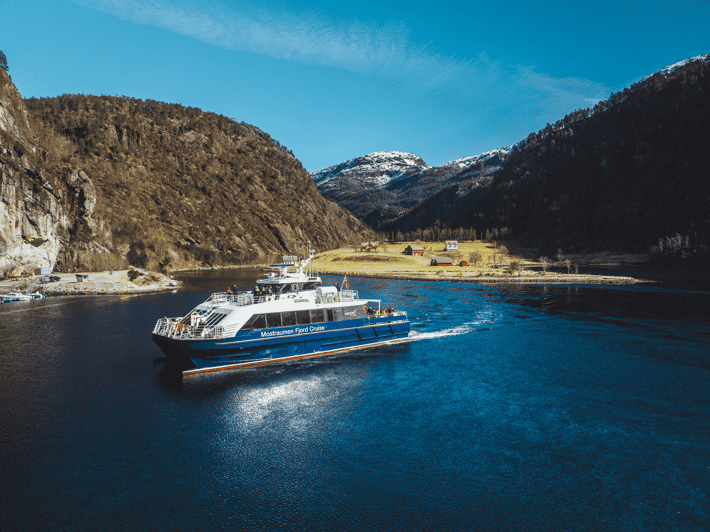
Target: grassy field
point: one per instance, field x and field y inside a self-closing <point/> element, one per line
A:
<point x="493" y="265"/>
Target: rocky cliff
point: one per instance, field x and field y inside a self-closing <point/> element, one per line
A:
<point x="91" y="182"/>
<point x="46" y="210"/>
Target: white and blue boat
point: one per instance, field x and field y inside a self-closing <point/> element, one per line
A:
<point x="288" y="316"/>
<point x="16" y="295"/>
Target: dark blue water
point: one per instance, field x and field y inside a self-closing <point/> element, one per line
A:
<point x="512" y="408"/>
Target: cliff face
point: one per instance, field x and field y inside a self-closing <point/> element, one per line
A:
<point x="46" y="212"/>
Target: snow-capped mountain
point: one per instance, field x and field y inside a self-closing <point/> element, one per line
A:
<point x="468" y="162"/>
<point x="375" y="170"/>
<point x="670" y="69"/>
<point x="383" y="185"/>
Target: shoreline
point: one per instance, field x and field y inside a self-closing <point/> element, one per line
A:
<point x="96" y="283"/>
<point x="547" y="278"/>
<point x="392" y="263"/>
<point x="377" y="265"/>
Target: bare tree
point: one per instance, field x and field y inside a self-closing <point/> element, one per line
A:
<point x="474" y="258"/>
<point x="545" y="263"/>
<point x="514" y="266"/>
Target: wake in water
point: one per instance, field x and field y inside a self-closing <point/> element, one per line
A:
<point x="481" y="324"/>
<point x="452" y="331"/>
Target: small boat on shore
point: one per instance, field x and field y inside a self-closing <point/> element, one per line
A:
<point x="16" y="295"/>
<point x="288" y="316"/>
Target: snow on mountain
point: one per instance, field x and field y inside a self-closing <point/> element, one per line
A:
<point x="388" y="183"/>
<point x="375" y="170"/>
<point x="665" y="71"/>
<point x="467" y="162"/>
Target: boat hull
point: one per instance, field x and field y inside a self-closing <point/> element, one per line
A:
<point x="280" y="345"/>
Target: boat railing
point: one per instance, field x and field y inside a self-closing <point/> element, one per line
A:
<point x="348" y="295"/>
<point x="174" y="328"/>
<point x="241" y="299"/>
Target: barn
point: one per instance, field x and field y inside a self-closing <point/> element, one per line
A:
<point x="440" y="261"/>
<point x="414" y="250"/>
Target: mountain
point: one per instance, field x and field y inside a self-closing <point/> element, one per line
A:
<point x="86" y="179"/>
<point x="46" y="210"/>
<point x="383" y="185"/>
<point x="630" y="173"/>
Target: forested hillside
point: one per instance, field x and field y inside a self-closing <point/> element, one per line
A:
<point x="633" y="173"/>
<point x="176" y="185"/>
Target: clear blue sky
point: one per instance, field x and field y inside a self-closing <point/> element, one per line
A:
<point x="336" y="80"/>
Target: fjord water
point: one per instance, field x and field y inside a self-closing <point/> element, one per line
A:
<point x="511" y="408"/>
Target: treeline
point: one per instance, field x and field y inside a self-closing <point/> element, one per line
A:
<point x="439" y="233"/>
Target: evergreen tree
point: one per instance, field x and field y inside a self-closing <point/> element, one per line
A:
<point x="3" y="61"/>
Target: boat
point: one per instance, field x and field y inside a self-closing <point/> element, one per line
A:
<point x="288" y="316"/>
<point x="16" y="295"/>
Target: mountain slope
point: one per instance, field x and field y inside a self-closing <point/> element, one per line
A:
<point x="383" y="185"/>
<point x="176" y="185"/>
<point x="620" y="176"/>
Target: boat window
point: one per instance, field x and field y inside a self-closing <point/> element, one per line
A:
<point x="317" y="316"/>
<point x="338" y="314"/>
<point x="257" y="321"/>
<point x="288" y="319"/>
<point x="352" y="312"/>
<point x="329" y="313"/>
<point x="273" y="319"/>
<point x="303" y="317"/>
<point x="309" y="286"/>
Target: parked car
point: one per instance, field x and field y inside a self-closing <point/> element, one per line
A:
<point x="53" y="278"/>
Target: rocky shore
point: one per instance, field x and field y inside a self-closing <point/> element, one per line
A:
<point x="99" y="283"/>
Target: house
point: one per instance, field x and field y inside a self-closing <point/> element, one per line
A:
<point x="440" y="261"/>
<point x="414" y="250"/>
<point x="452" y="245"/>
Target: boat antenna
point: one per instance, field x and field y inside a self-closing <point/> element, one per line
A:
<point x="305" y="262"/>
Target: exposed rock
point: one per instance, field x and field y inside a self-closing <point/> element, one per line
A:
<point x="44" y="210"/>
<point x="87" y="181"/>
